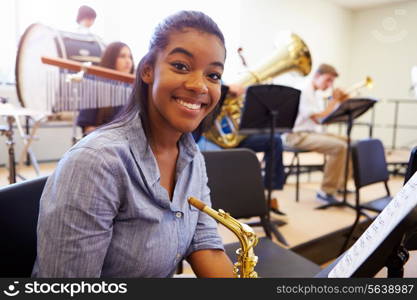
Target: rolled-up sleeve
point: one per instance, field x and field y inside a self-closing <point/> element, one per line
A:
<point x="77" y="209"/>
<point x="206" y="235"/>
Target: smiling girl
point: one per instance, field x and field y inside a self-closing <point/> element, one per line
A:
<point x="116" y="206"/>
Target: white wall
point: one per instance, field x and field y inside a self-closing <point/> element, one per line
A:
<point x="325" y="28"/>
<point x="384" y="46"/>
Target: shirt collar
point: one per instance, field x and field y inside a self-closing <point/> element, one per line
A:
<point x="144" y="156"/>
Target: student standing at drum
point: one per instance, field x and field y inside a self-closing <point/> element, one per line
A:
<point x="116" y="206"/>
<point x="85" y="18"/>
<point x="117" y="56"/>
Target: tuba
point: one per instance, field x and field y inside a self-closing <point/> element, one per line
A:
<point x="294" y="56"/>
<point x="246" y="262"/>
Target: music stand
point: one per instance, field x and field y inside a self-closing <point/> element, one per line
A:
<point x="263" y="105"/>
<point x="411" y="243"/>
<point x="346" y="112"/>
<point x="388" y="246"/>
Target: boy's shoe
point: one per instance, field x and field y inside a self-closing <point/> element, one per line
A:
<point x="326" y="197"/>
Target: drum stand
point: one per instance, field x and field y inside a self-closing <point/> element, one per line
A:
<point x="8" y="132"/>
<point x="27" y="141"/>
<point x="11" y="115"/>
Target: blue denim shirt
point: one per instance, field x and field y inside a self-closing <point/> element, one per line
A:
<point x="104" y="213"/>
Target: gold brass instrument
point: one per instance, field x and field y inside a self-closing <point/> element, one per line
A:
<point x="246" y="258"/>
<point x="294" y="56"/>
<point x="367" y="82"/>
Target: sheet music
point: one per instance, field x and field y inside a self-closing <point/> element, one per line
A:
<point x="375" y="234"/>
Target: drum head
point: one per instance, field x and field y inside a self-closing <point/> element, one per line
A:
<point x="31" y="74"/>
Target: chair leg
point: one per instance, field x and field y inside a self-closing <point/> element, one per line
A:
<point x="290" y="168"/>
<point x="349" y="237"/>
<point x="271" y="229"/>
<point x="297" y="182"/>
<point x="277" y="234"/>
<point x="358" y="215"/>
<point x="266" y="227"/>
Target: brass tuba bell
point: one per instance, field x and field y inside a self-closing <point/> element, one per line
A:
<point x="294" y="56"/>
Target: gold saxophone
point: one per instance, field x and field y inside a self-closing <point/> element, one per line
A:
<point x="246" y="258"/>
<point x="293" y="56"/>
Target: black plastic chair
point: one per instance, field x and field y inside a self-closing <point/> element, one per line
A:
<point x="295" y="163"/>
<point x="235" y="181"/>
<point x="369" y="167"/>
<point x="19" y="209"/>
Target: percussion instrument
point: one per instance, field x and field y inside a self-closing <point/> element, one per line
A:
<point x="91" y="87"/>
<point x="32" y="75"/>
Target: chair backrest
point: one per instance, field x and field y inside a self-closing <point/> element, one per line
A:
<point x="235" y="181"/>
<point x="412" y="165"/>
<point x="19" y="209"/>
<point x="369" y="164"/>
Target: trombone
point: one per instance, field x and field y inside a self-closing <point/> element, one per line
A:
<point x="367" y="82"/>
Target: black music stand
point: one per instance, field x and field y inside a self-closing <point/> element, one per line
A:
<point x="392" y="252"/>
<point x="411" y="243"/>
<point x="263" y="105"/>
<point x="346" y="112"/>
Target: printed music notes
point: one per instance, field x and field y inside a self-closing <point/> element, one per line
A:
<point x="399" y="207"/>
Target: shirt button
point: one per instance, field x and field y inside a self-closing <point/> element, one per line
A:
<point x="178" y="214"/>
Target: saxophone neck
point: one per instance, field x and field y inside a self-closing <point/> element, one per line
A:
<point x="247" y="238"/>
<point x="244" y="233"/>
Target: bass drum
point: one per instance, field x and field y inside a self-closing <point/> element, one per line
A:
<point x="35" y="80"/>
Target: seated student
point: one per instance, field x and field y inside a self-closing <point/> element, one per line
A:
<point x="257" y="143"/>
<point x="308" y="133"/>
<point x="86" y="17"/>
<point x="116" y="206"/>
<point x="117" y="56"/>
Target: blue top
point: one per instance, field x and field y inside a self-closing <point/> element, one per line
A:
<point x="104" y="213"/>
